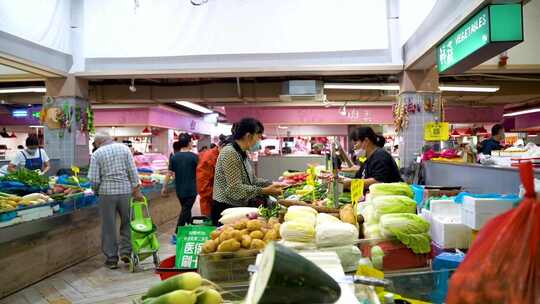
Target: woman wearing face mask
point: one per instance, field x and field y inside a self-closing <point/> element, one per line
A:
<point x="31" y="158"/>
<point x="379" y="167"/>
<point x="235" y="183"/>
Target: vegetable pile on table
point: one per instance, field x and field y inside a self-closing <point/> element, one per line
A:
<point x="185" y="288"/>
<point x="10" y="202"/>
<point x="28" y="178"/>
<point x="389" y="212"/>
<point x="61" y="192"/>
<point x="240" y="233"/>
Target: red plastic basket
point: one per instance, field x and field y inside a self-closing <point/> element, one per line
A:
<point x="166" y="268"/>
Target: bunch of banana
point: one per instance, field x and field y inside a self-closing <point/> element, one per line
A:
<point x="9" y="201"/>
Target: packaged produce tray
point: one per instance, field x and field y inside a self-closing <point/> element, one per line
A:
<point x="227" y="266"/>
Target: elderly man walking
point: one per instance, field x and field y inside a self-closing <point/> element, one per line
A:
<point x="115" y="179"/>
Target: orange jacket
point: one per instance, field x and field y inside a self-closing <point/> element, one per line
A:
<point x="205" y="179"/>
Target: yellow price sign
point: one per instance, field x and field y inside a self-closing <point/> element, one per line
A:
<point x="357" y="190"/>
<point x="436" y="131"/>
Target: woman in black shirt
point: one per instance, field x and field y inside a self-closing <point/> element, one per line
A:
<point x="379" y="167"/>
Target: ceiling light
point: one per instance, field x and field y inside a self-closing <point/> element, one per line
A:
<point x="283" y="127"/>
<point x="521" y="112"/>
<point x="19" y="113"/>
<point x="23" y="90"/>
<point x="194" y="106"/>
<point x="37" y="127"/>
<point x="132" y="87"/>
<point x="532" y="135"/>
<point x="363" y="86"/>
<point x="468" y="88"/>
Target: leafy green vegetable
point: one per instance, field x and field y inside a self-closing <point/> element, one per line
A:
<point x="28" y="177"/>
<point x="393" y="204"/>
<point x="391" y="189"/>
<point x="269" y="212"/>
<point x="410" y="229"/>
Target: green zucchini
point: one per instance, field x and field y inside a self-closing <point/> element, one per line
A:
<point x="185" y="281"/>
<point x="210" y="296"/>
<point x="286" y="277"/>
<point x="176" y="297"/>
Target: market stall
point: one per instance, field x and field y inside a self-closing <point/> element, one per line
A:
<point x="48" y="224"/>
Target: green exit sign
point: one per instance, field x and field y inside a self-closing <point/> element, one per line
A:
<point x="490" y="32"/>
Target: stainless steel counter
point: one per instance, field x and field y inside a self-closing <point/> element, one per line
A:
<point x="271" y="167"/>
<point x="474" y="177"/>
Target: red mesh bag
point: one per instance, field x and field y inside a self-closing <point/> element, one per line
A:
<point x="503" y="264"/>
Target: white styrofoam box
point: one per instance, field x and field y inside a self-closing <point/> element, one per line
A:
<point x="13" y="221"/>
<point x="445" y="207"/>
<point x="33" y="210"/>
<point x="476" y="212"/>
<point x="450" y="232"/>
<point x="427" y="215"/>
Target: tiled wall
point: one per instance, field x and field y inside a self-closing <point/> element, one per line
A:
<point x="62" y="144"/>
<point x="413" y="135"/>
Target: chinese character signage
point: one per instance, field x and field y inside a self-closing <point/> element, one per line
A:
<point x="189" y="242"/>
<point x="436" y="131"/>
<point x="489" y="32"/>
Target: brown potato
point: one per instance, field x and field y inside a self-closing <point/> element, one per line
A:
<point x="215" y="234"/>
<point x="231" y="245"/>
<point x="257" y="244"/>
<point x="271" y="235"/>
<point x="241" y="224"/>
<point x="209" y="246"/>
<point x="225" y="235"/>
<point x="237" y="235"/>
<point x="244" y="231"/>
<point x="256" y="235"/>
<point x="264" y="230"/>
<point x="276" y="226"/>
<point x="273" y="221"/>
<point x="253" y="225"/>
<point x="246" y="241"/>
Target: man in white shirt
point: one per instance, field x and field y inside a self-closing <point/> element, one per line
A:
<point x="31" y="158"/>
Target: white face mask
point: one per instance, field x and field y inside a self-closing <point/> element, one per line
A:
<point x="359" y="153"/>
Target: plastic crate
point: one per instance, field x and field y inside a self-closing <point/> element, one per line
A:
<point x="8" y="216"/>
<point x="226" y="267"/>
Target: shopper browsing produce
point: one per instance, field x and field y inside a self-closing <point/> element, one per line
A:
<point x="235" y="183"/>
<point x="183" y="166"/>
<point x="31" y="158"/>
<point x="115" y="179"/>
<point x="379" y="167"/>
<point x="493" y="143"/>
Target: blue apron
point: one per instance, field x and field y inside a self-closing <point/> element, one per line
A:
<point x="33" y="163"/>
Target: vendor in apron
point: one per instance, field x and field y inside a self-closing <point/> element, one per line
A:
<point x="31" y="158"/>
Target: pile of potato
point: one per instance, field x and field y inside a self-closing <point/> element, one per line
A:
<point x="246" y="234"/>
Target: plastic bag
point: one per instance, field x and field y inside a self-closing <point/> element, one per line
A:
<point x="502" y="266"/>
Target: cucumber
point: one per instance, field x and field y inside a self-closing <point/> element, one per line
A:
<point x="185" y="281"/>
<point x="176" y="297"/>
<point x="286" y="277"/>
<point x="210" y="296"/>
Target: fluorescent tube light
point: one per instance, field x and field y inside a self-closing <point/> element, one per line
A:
<point x="521" y="112"/>
<point x="468" y="88"/>
<point x="283" y="127"/>
<point x="23" y="90"/>
<point x="19" y="113"/>
<point x="363" y="86"/>
<point x="194" y="106"/>
<point x="37" y="127"/>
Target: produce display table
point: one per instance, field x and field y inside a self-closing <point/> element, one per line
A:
<point x="34" y="250"/>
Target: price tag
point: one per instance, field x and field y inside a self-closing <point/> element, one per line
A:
<point x="436" y="131"/>
<point x="357" y="190"/>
